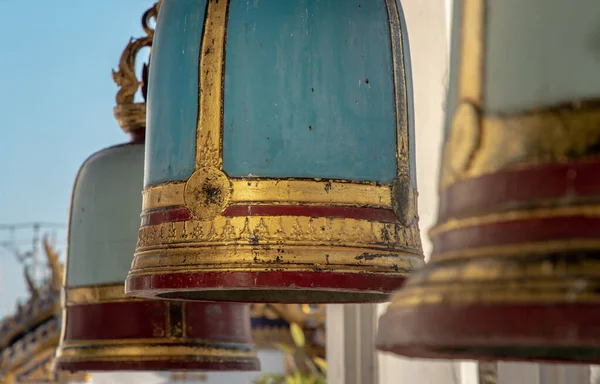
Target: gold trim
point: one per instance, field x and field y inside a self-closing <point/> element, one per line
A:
<point x="208" y="141"/>
<point x="169" y="259"/>
<point x="280" y="191"/>
<point x="516" y="250"/>
<point x="261" y="231"/>
<point x="399" y="75"/>
<point x="131" y="115"/>
<point x="530" y="214"/>
<point x="531" y="279"/>
<point x="149" y="352"/>
<point x="550" y="135"/>
<point x="96" y="294"/>
<point x="207" y="193"/>
<point x="505" y="292"/>
<point x="472" y="52"/>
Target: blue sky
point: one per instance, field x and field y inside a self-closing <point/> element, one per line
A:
<point x="56" y="101"/>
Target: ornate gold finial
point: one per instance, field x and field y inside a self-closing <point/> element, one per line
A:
<point x="131" y="115"/>
<point x="55" y="266"/>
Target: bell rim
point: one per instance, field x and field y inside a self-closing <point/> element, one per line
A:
<point x="336" y="287"/>
<point x="152" y="356"/>
<point x="492" y="332"/>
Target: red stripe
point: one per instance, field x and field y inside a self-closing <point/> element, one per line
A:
<point x="513" y="188"/>
<point x="341" y="285"/>
<point x="170" y="215"/>
<point x="546" y="332"/>
<point x="517" y="232"/>
<point x="166" y="216"/>
<point x="373" y="214"/>
<point x="123" y="320"/>
<point x="220" y="322"/>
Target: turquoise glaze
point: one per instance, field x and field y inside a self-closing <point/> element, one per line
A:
<point x="309" y="90"/>
<point x="173" y="92"/>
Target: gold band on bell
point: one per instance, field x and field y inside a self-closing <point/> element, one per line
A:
<point x="280" y="191"/>
<point x="491" y="143"/>
<point x="154" y="350"/>
<point x="531" y="279"/>
<point x="96" y="294"/>
<point x="274" y="230"/>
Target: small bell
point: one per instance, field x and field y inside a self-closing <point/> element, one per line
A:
<point x="103" y="329"/>
<point x="515" y="271"/>
<point x="280" y="154"/>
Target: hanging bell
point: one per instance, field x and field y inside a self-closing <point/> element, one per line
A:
<point x="280" y="154"/>
<point x="104" y="329"/>
<point x="515" y="271"/>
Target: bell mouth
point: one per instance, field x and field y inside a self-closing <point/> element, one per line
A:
<point x="265" y="287"/>
<point x="275" y="295"/>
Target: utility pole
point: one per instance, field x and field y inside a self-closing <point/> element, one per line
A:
<point x="30" y="258"/>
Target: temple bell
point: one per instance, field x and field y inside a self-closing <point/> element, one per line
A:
<point x="102" y="328"/>
<point x="515" y="271"/>
<point x="279" y="157"/>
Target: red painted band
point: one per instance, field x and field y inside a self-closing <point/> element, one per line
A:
<point x="170" y="215"/>
<point x="247" y="364"/>
<point x="511" y="188"/>
<point x="517" y="232"/>
<point x="121" y="320"/>
<point x="157" y="284"/>
<point x="467" y="331"/>
<point x="373" y="214"/>
<point x="220" y="322"/>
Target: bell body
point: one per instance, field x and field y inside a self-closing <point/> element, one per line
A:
<point x="515" y="271"/>
<point x="280" y="153"/>
<point x="105" y="330"/>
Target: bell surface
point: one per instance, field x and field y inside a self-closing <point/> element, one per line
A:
<point x="280" y="154"/>
<point x="515" y="271"/>
<point x="106" y="330"/>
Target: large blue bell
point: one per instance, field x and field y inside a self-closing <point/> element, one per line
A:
<point x="280" y="153"/>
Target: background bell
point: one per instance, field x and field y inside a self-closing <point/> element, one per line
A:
<point x="515" y="271"/>
<point x="105" y="330"/>
<point x="280" y="153"/>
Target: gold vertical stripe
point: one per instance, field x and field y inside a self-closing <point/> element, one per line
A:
<point x="472" y="52"/>
<point x="212" y="54"/>
<point x="400" y="91"/>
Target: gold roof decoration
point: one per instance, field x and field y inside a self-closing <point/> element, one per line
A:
<point x="29" y="337"/>
<point x="130" y="114"/>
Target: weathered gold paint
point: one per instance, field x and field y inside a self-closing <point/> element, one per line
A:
<point x="209" y="139"/>
<point x="265" y="230"/>
<point x="96" y="294"/>
<point x="529" y="214"/>
<point x="121" y="349"/>
<point x="550" y="135"/>
<point x="399" y="74"/>
<point x="281" y="191"/>
<point x="503" y="280"/>
<point x="472" y="52"/>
